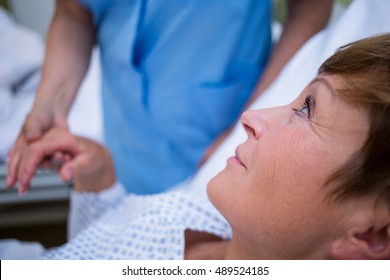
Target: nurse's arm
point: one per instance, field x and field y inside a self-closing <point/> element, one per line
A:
<point x="304" y="19"/>
<point x="69" y="44"/>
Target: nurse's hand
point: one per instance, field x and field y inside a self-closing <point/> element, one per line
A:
<point x="86" y="163"/>
<point x="41" y="118"/>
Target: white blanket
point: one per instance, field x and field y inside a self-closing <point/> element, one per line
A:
<point x="363" y="18"/>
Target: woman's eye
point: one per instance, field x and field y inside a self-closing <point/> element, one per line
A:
<point x="306" y="107"/>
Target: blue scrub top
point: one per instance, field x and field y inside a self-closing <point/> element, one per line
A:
<point x="175" y="74"/>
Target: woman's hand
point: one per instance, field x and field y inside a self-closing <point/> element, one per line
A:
<point x="77" y="159"/>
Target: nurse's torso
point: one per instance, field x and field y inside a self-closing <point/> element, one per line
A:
<point x="175" y="74"/>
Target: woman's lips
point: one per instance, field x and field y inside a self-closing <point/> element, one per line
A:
<point x="236" y="160"/>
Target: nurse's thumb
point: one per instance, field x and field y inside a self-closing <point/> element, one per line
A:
<point x="32" y="131"/>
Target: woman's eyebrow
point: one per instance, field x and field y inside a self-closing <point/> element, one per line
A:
<point x="324" y="82"/>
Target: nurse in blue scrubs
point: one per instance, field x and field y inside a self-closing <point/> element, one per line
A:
<point x="175" y="75"/>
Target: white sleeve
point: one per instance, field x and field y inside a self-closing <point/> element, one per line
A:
<point x="86" y="207"/>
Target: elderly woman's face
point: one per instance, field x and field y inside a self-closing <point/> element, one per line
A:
<point x="271" y="191"/>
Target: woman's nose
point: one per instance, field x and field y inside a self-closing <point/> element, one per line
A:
<point x="253" y="126"/>
<point x="257" y="122"/>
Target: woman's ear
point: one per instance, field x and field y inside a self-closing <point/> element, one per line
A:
<point x="367" y="237"/>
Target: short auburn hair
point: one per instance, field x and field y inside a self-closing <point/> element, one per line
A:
<point x="364" y="66"/>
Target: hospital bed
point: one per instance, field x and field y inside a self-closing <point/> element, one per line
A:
<point x="362" y="18"/>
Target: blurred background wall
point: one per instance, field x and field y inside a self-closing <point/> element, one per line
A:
<point x="35" y="14"/>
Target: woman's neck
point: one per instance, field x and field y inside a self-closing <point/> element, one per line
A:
<point x="204" y="246"/>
